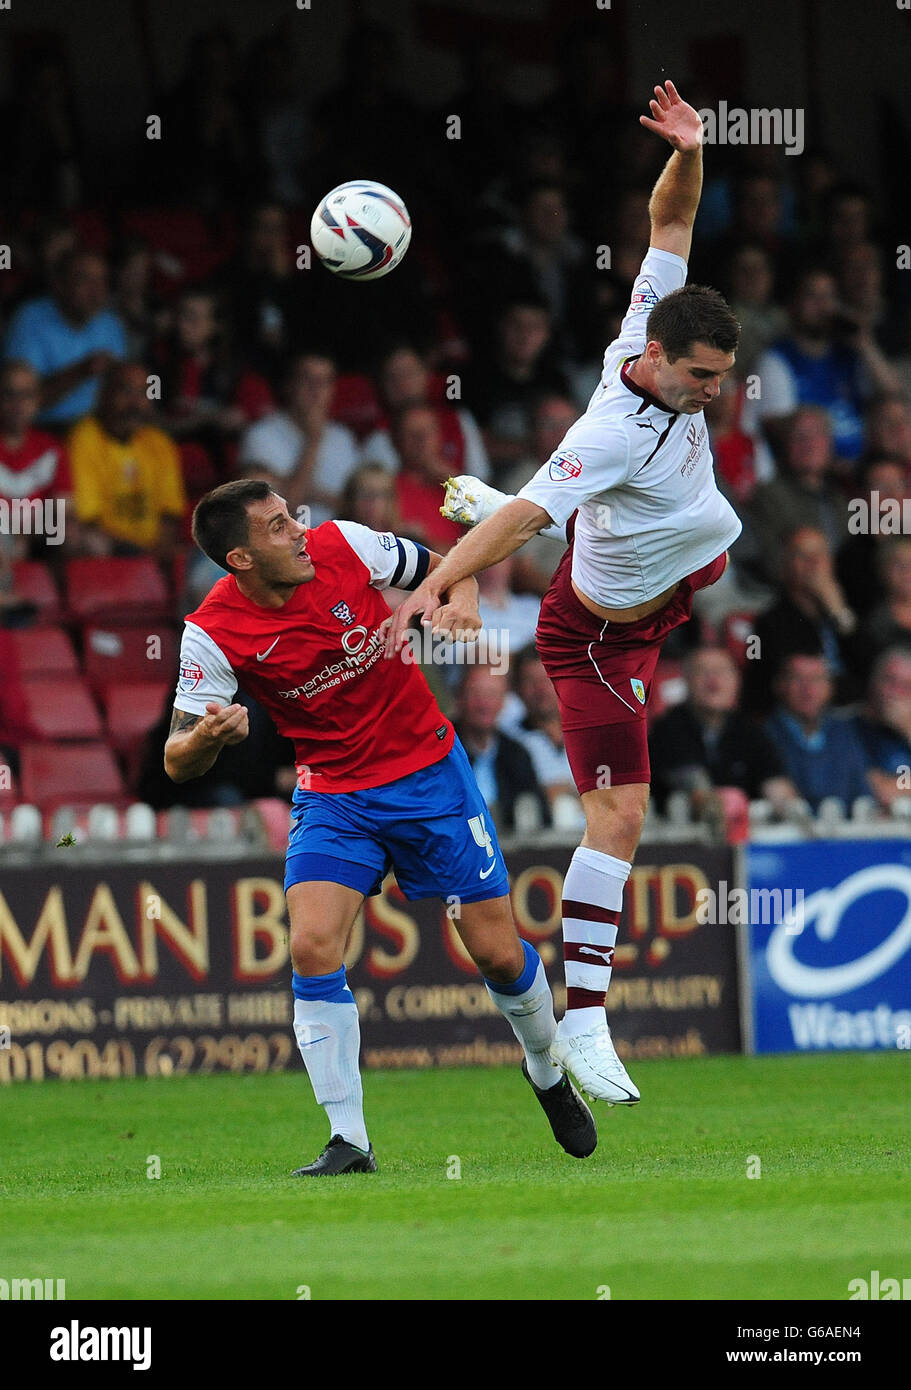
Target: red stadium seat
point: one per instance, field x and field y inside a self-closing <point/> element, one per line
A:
<point x="32" y="580"/>
<point x="61" y="707"/>
<point x="128" y="590"/>
<point x="133" y="708"/>
<point x="52" y="773"/>
<point x="146" y="653"/>
<point x="45" y="651"/>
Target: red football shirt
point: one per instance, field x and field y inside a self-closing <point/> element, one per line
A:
<point x="316" y="665"/>
<point x="39" y="468"/>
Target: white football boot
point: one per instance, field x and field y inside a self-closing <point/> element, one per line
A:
<point x="592" y="1061"/>
<point x="469" y="501"/>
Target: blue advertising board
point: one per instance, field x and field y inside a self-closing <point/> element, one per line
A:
<point x="830" y="945"/>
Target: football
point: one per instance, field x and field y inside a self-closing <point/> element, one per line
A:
<point x="361" y="230"/>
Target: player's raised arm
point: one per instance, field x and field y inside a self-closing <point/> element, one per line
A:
<point x="675" y="197"/>
<point x="195" y="740"/>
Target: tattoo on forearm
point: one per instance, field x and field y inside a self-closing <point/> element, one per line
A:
<point x="181" y="721"/>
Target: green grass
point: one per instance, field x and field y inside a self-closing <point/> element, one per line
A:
<point x="663" y="1209"/>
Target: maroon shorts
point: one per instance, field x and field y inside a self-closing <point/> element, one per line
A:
<point x="602" y="673"/>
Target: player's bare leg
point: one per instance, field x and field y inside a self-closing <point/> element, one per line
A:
<point x="592" y="899"/>
<point x="516" y="982"/>
<point x="326" y="1022"/>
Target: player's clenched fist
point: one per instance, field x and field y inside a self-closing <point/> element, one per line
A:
<point x="227" y="725"/>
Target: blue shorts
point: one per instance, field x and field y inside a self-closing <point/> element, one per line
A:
<point x="432" y="827"/>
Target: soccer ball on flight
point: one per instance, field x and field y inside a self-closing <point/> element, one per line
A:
<point x="361" y="230"/>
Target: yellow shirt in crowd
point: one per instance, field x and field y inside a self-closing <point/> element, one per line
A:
<point x="126" y="488"/>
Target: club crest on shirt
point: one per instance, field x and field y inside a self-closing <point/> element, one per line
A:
<point x="190" y="676"/>
<point x="343" y="613"/>
<point x="644" y="297"/>
<point x="566" y="465"/>
<point x="638" y="690"/>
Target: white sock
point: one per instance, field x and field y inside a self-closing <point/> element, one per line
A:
<point x="329" y="1037"/>
<point x="531" y="1017"/>
<point x="592" y="899"/>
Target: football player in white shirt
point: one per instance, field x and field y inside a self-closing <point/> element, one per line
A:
<point x="648" y="527"/>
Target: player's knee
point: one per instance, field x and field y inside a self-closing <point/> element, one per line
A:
<point x="502" y="963"/>
<point x="314" y="948"/>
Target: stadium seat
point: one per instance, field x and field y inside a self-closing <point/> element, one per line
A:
<point x="32" y="580"/>
<point x="126" y="590"/>
<point x="62" y="707"/>
<point x="45" y="651"/>
<point x="52" y="773"/>
<point x="132" y="709"/>
<point x="144" y="653"/>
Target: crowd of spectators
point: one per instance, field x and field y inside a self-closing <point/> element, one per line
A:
<point x="153" y="349"/>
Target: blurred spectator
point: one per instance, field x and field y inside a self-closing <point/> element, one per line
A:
<point x="758" y="218"/>
<point x="127" y="480"/>
<point x="33" y="464"/>
<point x="706" y="742"/>
<point x="884" y="725"/>
<point x="502" y="767"/>
<point x="69" y="337"/>
<point x="206" y="396"/>
<point x="46" y="159"/>
<point x="405" y="379"/>
<point x="210" y="161"/>
<point x="821" y="751"/>
<point x="309" y="456"/>
<point x="889" y="623"/>
<point x="539" y="258"/>
<point x="824" y="360"/>
<point x="275" y="112"/>
<point x="848" y="222"/>
<point x="551" y="417"/>
<point x="262" y="291"/>
<point x="504" y="611"/>
<point x="864" y="302"/>
<point x="889" y="428"/>
<point x="532" y="717"/>
<point x="369" y="498"/>
<point x="810" y="617"/>
<point x="737" y="456"/>
<point x="367" y="121"/>
<point x="751" y="282"/>
<point x="804" y="493"/>
<point x="503" y="388"/>
<point x="419" y="485"/>
<point x="885" y="486"/>
<point x="133" y="296"/>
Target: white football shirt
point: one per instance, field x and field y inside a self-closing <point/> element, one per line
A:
<point x="640" y="474"/>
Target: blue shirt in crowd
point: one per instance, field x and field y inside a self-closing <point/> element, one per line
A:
<point x="829" y="762"/>
<point x="39" y="334"/>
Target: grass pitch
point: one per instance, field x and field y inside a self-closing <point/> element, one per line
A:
<point x="664" y="1209"/>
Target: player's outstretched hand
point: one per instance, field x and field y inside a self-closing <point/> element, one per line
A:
<point x="425" y="600"/>
<point x="225" y="726"/>
<point x="676" y="122"/>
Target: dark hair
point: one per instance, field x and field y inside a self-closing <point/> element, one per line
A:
<point x="692" y="314"/>
<point x="220" y="520"/>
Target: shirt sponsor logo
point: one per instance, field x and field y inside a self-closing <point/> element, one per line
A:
<point x="696" y="440"/>
<point x="644" y="297"/>
<point x="190" y="676"/>
<point x="567" y="465"/>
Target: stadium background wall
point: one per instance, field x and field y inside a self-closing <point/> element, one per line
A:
<point x="174" y="967"/>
